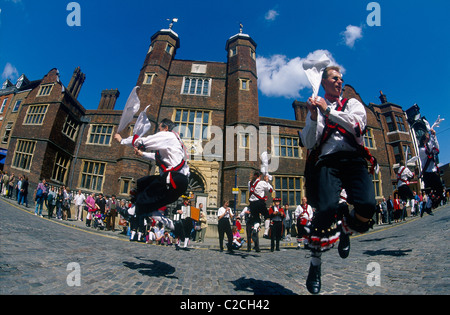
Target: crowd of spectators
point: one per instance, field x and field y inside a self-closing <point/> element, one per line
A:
<point x="103" y="212"/>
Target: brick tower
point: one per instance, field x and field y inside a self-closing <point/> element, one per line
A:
<point x="154" y="72"/>
<point x="241" y="114"/>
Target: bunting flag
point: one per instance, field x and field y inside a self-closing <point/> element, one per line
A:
<point x="314" y="70"/>
<point x="131" y="108"/>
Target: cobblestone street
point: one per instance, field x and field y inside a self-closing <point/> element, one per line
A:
<point x="37" y="256"/>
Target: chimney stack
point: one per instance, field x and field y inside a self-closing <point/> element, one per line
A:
<point x="383" y="98"/>
<point x="108" y="99"/>
<point x="76" y="82"/>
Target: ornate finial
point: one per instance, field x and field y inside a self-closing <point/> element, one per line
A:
<point x="241" y="27"/>
<point x="174" y="20"/>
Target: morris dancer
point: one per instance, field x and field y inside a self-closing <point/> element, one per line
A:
<point x="277" y="215"/>
<point x="334" y="131"/>
<point x="258" y="191"/>
<point x="403" y="176"/>
<point x="303" y="215"/>
<point x="428" y="151"/>
<point x="156" y="191"/>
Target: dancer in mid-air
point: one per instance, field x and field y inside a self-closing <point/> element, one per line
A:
<point x="337" y="160"/>
<point x="153" y="192"/>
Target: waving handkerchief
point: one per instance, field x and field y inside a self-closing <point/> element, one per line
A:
<point x="314" y="70"/>
<point x="437" y="122"/>
<point x="131" y="108"/>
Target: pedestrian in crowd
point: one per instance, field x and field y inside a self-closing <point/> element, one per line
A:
<point x="166" y="239"/>
<point x="287" y="223"/>
<point x="39" y="193"/>
<point x="203" y="225"/>
<point x="5" y="184"/>
<point x="238" y="241"/>
<point x="12" y="178"/>
<point x="378" y="213"/>
<point x="112" y="213"/>
<point x="390" y="209"/>
<point x="224" y="214"/>
<point x="18" y="186"/>
<point x="51" y="201"/>
<point x="427" y="205"/>
<point x="397" y="208"/>
<point x="416" y="204"/>
<point x="122" y="208"/>
<point x="59" y="203"/>
<point x="79" y="200"/>
<point x="384" y="211"/>
<point x="24" y="192"/>
<point x="66" y="203"/>
<point x="92" y="207"/>
<point x="101" y="202"/>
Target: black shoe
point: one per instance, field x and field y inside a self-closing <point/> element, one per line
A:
<point x="313" y="280"/>
<point x="344" y="245"/>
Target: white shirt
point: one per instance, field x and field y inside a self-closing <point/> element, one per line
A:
<point x="300" y="212"/>
<point x="261" y="189"/>
<point x="403" y="175"/>
<point x="354" y="116"/>
<point x="222" y="210"/>
<point x="79" y="199"/>
<point x="169" y="146"/>
<point x="432" y="144"/>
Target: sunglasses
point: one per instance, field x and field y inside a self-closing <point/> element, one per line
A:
<point x="336" y="78"/>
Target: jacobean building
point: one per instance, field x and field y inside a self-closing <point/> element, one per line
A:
<point x="215" y="108"/>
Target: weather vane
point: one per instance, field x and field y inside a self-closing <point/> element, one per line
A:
<point x="174" y="20"/>
<point x="241" y="27"/>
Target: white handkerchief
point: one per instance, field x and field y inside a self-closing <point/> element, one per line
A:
<point x="314" y="70"/>
<point x="131" y="108"/>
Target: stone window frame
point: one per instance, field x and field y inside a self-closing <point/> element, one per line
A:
<point x="35" y="114"/>
<point x="93" y="133"/>
<point x="45" y="89"/>
<point x="90" y="170"/>
<point x="23" y="154"/>
<point x="61" y="168"/>
<point x="282" y="187"/>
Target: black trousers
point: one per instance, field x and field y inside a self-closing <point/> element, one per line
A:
<point x="344" y="170"/>
<point x="405" y="193"/>
<point x="224" y="227"/>
<point x="432" y="181"/>
<point x="275" y="234"/>
<point x="258" y="207"/>
<point x="250" y="235"/>
<point x="152" y="192"/>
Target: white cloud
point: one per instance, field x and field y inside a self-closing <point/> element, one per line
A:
<point x="280" y="77"/>
<point x="271" y="15"/>
<point x="351" y="34"/>
<point x="10" y="72"/>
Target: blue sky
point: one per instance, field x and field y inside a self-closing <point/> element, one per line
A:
<point x="407" y="56"/>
